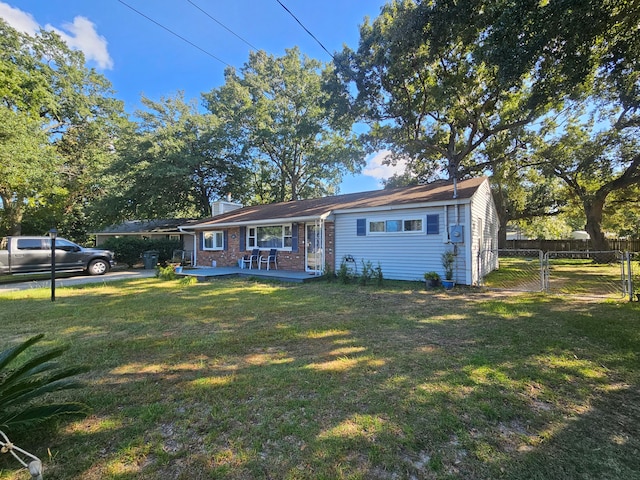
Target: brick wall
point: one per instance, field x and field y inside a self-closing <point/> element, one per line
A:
<point x="286" y="260"/>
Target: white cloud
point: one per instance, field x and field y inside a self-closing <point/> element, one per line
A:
<point x="21" y="21"/>
<point x="81" y="34"/>
<point x="376" y="169"/>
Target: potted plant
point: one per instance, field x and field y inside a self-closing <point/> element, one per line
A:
<point x="432" y="279"/>
<point x="448" y="261"/>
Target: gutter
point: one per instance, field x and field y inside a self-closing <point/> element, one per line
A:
<point x="386" y="208"/>
<point x="268" y="221"/>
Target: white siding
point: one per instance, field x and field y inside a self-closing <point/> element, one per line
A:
<point x="484" y="226"/>
<point x="402" y="256"/>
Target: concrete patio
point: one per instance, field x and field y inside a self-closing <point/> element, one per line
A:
<point x="209" y="273"/>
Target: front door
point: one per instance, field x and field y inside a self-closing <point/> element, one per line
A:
<point x="313" y="242"/>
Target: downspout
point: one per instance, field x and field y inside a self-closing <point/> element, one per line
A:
<point x="446" y="224"/>
<point x="194" y="260"/>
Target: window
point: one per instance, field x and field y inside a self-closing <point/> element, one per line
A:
<point x="396" y="226"/>
<point x="412" y="226"/>
<point x="62" y="244"/>
<point x="272" y="236"/>
<point x="29" y="244"/>
<point x="376" y="227"/>
<point x="433" y="224"/>
<point x="212" y="241"/>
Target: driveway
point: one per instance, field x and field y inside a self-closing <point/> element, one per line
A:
<point x="77" y="280"/>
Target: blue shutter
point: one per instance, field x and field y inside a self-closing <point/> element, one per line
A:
<point x="294" y="238"/>
<point x="201" y="240"/>
<point x="243" y="239"/>
<point x="433" y="224"/>
<point x="225" y="240"/>
<point x="361" y="227"/>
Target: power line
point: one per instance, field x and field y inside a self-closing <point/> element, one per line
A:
<point x="174" y="33"/>
<point x="223" y="25"/>
<point x="305" y="28"/>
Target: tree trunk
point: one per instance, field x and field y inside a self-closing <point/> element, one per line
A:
<point x="13" y="212"/>
<point x="503" y="218"/>
<point x="593" y="211"/>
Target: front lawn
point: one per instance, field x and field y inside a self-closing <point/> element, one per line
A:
<point x="235" y="379"/>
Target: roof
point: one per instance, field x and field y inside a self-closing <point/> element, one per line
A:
<point x="305" y="210"/>
<point x="164" y="225"/>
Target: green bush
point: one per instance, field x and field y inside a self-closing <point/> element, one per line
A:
<point x="343" y="274"/>
<point x="377" y="274"/>
<point x="164" y="247"/>
<point x="126" y="249"/>
<point x="26" y="386"/>
<point x="166" y="273"/>
<point x="129" y="250"/>
<point x="367" y="272"/>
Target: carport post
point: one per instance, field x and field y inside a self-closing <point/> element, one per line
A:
<point x="53" y="233"/>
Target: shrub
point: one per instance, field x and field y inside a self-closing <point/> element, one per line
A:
<point x="367" y="272"/>
<point x="343" y="274"/>
<point x="329" y="274"/>
<point x="126" y="249"/>
<point x="24" y="382"/>
<point x="129" y="250"/>
<point x="377" y="274"/>
<point x="164" y="247"/>
<point x="166" y="273"/>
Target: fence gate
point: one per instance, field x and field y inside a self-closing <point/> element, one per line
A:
<point x="586" y="273"/>
<point x="519" y="270"/>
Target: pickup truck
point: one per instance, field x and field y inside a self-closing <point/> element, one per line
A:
<point x="33" y="254"/>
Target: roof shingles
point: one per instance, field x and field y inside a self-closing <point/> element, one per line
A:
<point x="316" y="207"/>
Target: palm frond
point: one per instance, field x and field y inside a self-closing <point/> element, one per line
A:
<point x="10" y="354"/>
<point x="36" y="415"/>
<point x="22" y="384"/>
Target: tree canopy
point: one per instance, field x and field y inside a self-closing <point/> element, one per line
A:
<point x="442" y="83"/>
<point x="282" y="117"/>
<point x="174" y="162"/>
<point x="49" y="101"/>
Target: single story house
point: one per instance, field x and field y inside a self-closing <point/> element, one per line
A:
<point x="404" y="230"/>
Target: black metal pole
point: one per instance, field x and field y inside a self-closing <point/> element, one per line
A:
<point x="52" y="234"/>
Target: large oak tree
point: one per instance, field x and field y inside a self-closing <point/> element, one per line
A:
<point x="281" y="115"/>
<point x="50" y="101"/>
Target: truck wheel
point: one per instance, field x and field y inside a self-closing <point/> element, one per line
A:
<point x="98" y="267"/>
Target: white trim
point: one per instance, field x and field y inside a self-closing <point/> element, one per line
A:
<point x="319" y="224"/>
<point x="406" y="206"/>
<point x="214" y="234"/>
<point x="401" y="219"/>
<point x="282" y="226"/>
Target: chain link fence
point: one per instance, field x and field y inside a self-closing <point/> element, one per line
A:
<point x="590" y="274"/>
<point x="519" y="270"/>
<point x="587" y="273"/>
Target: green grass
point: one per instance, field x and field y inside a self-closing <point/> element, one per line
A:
<point x="566" y="276"/>
<point x="238" y="380"/>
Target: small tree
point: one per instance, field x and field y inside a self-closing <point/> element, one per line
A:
<point x="448" y="261"/>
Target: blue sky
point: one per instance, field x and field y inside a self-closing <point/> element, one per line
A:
<point x="140" y="57"/>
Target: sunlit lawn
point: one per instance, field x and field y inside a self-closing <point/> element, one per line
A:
<point x="566" y="276"/>
<point x="240" y="380"/>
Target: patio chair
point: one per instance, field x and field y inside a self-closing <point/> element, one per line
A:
<point x="269" y="259"/>
<point x="248" y="260"/>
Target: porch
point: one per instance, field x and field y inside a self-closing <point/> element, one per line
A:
<point x="209" y="273"/>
